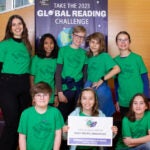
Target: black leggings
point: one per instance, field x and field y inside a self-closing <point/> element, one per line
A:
<point x="14" y="98"/>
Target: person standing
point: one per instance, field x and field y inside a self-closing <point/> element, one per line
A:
<point x="133" y="77"/>
<point x="101" y="68"/>
<point x="15" y="50"/>
<point x="70" y="72"/>
<point x="43" y="66"/>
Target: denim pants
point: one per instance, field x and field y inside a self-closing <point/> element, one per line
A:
<point x="145" y="146"/>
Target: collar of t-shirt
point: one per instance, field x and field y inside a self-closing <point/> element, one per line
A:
<point x="17" y="40"/>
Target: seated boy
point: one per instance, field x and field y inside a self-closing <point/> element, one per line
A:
<point x="40" y="125"/>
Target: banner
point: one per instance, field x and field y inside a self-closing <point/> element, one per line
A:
<point x="59" y="16"/>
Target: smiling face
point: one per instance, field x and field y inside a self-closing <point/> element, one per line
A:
<point x="139" y="106"/>
<point x="123" y="42"/>
<point x="77" y="39"/>
<point x="87" y="101"/>
<point x="41" y="100"/>
<point x="48" y="46"/>
<point x="17" y="28"/>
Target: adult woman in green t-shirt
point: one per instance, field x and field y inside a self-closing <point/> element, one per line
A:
<point x="15" y="51"/>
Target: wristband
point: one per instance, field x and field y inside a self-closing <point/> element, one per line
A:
<point x="102" y="78"/>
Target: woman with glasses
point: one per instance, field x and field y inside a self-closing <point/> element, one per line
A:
<point x="133" y="77"/>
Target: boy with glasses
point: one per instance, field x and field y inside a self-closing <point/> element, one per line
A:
<point x="71" y="71"/>
<point x="40" y="125"/>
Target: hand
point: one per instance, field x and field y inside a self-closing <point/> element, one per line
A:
<point x="56" y="101"/>
<point x="62" y="97"/>
<point x="115" y="129"/>
<point x="128" y="141"/>
<point x="65" y="128"/>
<point x="117" y="107"/>
<point x="97" y="84"/>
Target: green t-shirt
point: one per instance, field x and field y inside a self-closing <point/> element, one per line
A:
<point x="129" y="79"/>
<point x="99" y="65"/>
<point x="136" y="129"/>
<point x="14" y="56"/>
<point x="40" y="128"/>
<point x="43" y="69"/>
<point x="73" y="61"/>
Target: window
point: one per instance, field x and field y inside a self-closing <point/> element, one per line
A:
<point x="18" y="3"/>
<point x="6" y="5"/>
<point x="2" y="5"/>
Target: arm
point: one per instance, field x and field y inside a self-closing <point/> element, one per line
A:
<point x="137" y="141"/>
<point x="56" y="101"/>
<point x="127" y="134"/>
<point x="65" y="128"/>
<point x="22" y="141"/>
<point x="145" y="80"/>
<point x="115" y="70"/>
<point x="114" y="130"/>
<point x="61" y="96"/>
<point x="116" y="94"/>
<point x="31" y="80"/>
<point x="85" y="73"/>
<point x="57" y="140"/>
<point x="58" y="77"/>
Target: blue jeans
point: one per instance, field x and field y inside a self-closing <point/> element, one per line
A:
<point x="145" y="146"/>
<point x="105" y="99"/>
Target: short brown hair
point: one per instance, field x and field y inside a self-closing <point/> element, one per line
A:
<point x="40" y="87"/>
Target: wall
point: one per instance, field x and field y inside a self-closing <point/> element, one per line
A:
<point x="130" y="15"/>
<point x="28" y="15"/>
<point x="134" y="17"/>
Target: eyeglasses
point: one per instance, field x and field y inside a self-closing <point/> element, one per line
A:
<point x="78" y="36"/>
<point x="122" y="40"/>
<point x="41" y="95"/>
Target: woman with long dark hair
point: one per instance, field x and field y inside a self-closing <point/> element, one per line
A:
<point x="15" y="50"/>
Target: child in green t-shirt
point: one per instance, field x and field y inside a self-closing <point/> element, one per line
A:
<point x="70" y="72"/>
<point x="133" y="77"/>
<point x="101" y="68"/>
<point x="136" y="126"/>
<point x="40" y="125"/>
<point x="43" y="66"/>
<point x="87" y="106"/>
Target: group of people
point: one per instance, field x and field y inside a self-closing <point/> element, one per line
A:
<point x="75" y="81"/>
